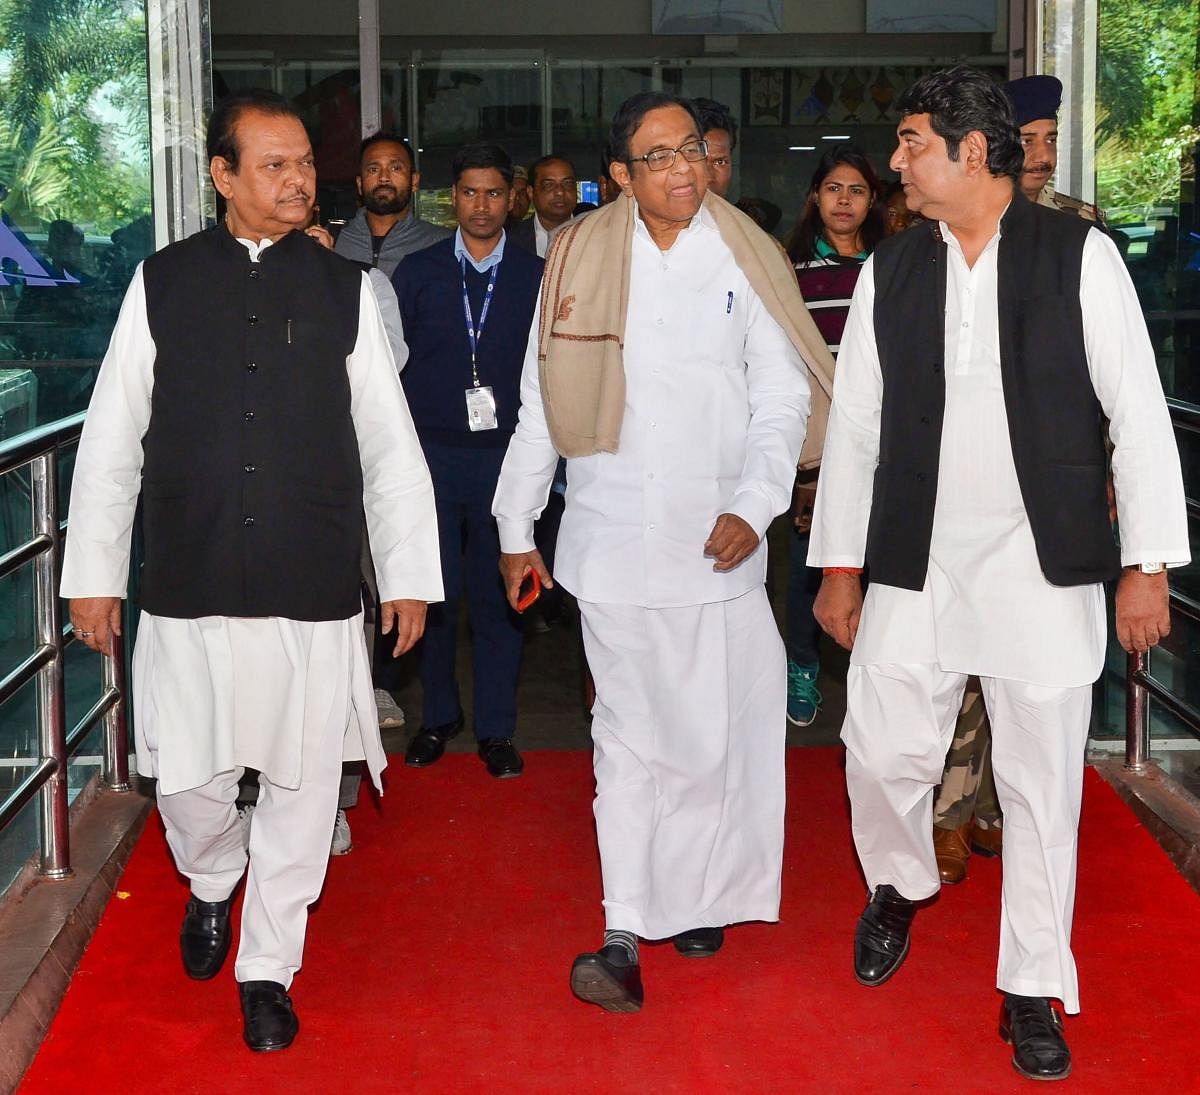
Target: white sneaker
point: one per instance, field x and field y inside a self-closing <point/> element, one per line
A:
<point x="245" y="816"/>
<point x="340" y="844"/>
<point x="390" y="713"/>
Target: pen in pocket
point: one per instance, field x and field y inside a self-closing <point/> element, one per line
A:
<point x="729" y="302"/>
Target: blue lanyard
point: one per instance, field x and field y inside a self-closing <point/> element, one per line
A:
<point x="474" y="333"/>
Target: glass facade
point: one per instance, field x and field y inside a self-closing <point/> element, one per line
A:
<point x="1129" y="141"/>
<point x="74" y="197"/>
<point x="75" y="219"/>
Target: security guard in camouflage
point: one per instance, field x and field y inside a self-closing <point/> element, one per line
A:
<point x="966" y="814"/>
<point x="1036" y="100"/>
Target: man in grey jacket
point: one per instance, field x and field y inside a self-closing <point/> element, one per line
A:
<point x="386" y="228"/>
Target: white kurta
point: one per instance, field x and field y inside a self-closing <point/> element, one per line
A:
<point x="716" y="401"/>
<point x="689" y="668"/>
<point x="215" y="693"/>
<point x="986" y="608"/>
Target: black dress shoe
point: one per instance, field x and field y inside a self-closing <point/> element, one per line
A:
<point x="204" y="937"/>
<point x="501" y="757"/>
<point x="430" y="743"/>
<point x="881" y="938"/>
<point x="269" y="1021"/>
<point x="609" y="979"/>
<point x="700" y="942"/>
<point x="1034" y="1029"/>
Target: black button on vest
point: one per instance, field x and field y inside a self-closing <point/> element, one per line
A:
<point x="244" y="521"/>
<point x="1054" y="418"/>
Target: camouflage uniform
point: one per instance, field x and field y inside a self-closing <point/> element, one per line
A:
<point x="968" y="787"/>
<point x="1066" y="204"/>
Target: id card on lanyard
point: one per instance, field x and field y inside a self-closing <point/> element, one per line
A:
<point x="481" y="402"/>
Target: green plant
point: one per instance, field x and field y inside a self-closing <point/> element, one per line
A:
<point x="1148" y="132"/>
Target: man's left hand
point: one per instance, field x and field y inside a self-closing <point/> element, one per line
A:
<point x="730" y="541"/>
<point x="1143" y="610"/>
<point x="408" y="618"/>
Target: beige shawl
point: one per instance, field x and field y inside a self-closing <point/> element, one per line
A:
<point x="581" y="326"/>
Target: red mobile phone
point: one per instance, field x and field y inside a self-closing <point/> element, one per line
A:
<point x="531" y="589"/>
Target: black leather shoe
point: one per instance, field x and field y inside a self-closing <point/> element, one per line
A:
<point x="204" y="937"/>
<point x="609" y="979"/>
<point x="1034" y="1029"/>
<point x="269" y="1021"/>
<point x="881" y="938"/>
<point x="699" y="942"/>
<point x="430" y="743"/>
<point x="501" y="757"/>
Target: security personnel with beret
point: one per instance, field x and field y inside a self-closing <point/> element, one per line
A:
<point x="1036" y="100"/>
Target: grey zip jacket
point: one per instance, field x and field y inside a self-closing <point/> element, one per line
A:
<point x="406" y="236"/>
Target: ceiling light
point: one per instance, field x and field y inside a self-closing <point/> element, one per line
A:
<point x="802" y="148"/>
<point x="837" y="137"/>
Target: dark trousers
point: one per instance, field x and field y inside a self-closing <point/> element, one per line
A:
<point x="803" y="630"/>
<point x="464" y="481"/>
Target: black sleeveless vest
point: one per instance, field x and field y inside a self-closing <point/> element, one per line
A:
<point x="251" y="483"/>
<point x="1052" y="410"/>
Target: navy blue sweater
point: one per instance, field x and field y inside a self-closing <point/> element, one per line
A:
<point x="428" y="285"/>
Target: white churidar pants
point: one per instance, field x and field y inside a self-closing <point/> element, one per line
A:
<point x="898" y="728"/>
<point x="289" y="698"/>
<point x="288" y="856"/>
<point x="688" y="728"/>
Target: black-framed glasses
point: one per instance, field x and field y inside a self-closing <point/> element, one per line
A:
<point x="660" y="159"/>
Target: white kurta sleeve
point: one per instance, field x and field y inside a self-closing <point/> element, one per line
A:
<point x="389" y="310"/>
<point x="108" y="467"/>
<point x="846" y="484"/>
<point x="1151" y="510"/>
<point x="778" y="391"/>
<point x="529" y="463"/>
<point x="397" y="490"/>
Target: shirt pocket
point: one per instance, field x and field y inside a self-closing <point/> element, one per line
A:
<point x="718" y="325"/>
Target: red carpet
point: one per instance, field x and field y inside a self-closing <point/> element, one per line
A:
<point x="438" y="959"/>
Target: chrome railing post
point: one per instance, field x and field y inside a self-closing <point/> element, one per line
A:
<point x="51" y="700"/>
<point x="1137" y="713"/>
<point x="116" y="734"/>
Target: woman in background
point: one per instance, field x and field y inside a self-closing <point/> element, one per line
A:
<point x="842" y="221"/>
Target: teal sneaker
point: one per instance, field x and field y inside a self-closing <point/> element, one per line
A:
<point x="803" y="699"/>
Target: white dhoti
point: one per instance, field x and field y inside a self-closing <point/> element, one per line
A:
<point x="688" y="728"/>
<point x="289" y="698"/>
<point x="899" y="724"/>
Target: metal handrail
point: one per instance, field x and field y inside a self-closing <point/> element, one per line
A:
<point x="1184" y="414"/>
<point x="39" y="449"/>
<point x="22" y="449"/>
<point x="1140" y="685"/>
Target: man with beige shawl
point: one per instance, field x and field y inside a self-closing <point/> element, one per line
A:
<point x="673" y="364"/>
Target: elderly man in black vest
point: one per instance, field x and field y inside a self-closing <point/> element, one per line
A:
<point x="250" y="396"/>
<point x="965" y="467"/>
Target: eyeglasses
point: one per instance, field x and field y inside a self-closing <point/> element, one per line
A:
<point x="662" y="158"/>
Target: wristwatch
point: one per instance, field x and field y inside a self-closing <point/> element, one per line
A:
<point x="1152" y="568"/>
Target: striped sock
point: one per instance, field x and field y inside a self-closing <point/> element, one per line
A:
<point x="627" y="941"/>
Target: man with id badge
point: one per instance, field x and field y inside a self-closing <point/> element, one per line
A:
<point x="466" y="304"/>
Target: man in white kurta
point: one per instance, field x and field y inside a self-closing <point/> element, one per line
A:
<point x="986" y="607"/>
<point x="216" y="694"/>
<point x="688" y="723"/>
